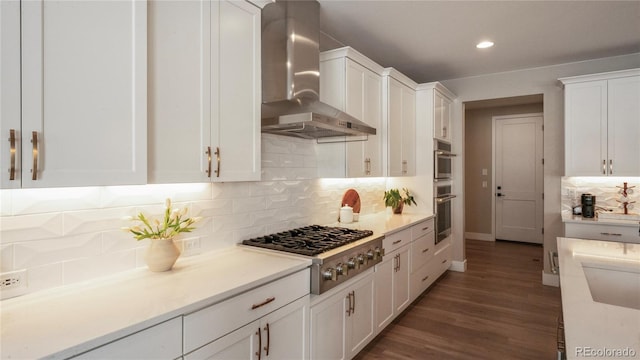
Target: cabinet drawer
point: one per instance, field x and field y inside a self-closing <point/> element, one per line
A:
<point x="162" y="341"/>
<point x="442" y="258"/>
<point x="603" y="232"/>
<point x="422" y="228"/>
<point x="208" y="324"/>
<point x="422" y="250"/>
<point x="396" y="240"/>
<point x="421" y="279"/>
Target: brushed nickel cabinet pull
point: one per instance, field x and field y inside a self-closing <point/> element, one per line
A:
<point x="425" y="278"/>
<point x="208" y="152"/>
<point x="12" y="150"/>
<point x="444" y="261"/>
<point x="425" y="250"/>
<point x="397" y="242"/>
<point x="349" y="306"/>
<point x="425" y="228"/>
<point x="604" y="167"/>
<point x="266" y="348"/>
<point x="265" y="302"/>
<point x="34" y="141"/>
<point x="353" y="305"/>
<point x="217" y="153"/>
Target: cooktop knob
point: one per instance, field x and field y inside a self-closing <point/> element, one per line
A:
<point x="342" y="269"/>
<point x="370" y="255"/>
<point x="330" y="274"/>
<point x="352" y="263"/>
<point x="361" y="259"/>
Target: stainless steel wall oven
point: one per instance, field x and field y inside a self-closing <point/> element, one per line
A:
<point x="442" y="207"/>
<point x="442" y="157"/>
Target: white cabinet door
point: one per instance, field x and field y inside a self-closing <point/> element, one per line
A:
<point x="285" y="333"/>
<point x="586" y="129"/>
<point x="10" y="118"/>
<point x="623" y="126"/>
<point x="84" y="82"/>
<point x="237" y="93"/>
<point x="328" y="328"/>
<point x="401" y="117"/>
<point x="361" y="320"/>
<point x="204" y="91"/>
<point x="162" y="341"/>
<point x="364" y="102"/>
<point x="392" y="286"/>
<point x="441" y="117"/>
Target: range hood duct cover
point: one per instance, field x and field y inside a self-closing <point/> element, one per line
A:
<point x="291" y="76"/>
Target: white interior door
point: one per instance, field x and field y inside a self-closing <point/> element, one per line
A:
<point x="518" y="178"/>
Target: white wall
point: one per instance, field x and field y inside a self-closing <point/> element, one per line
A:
<point x="67" y="235"/>
<point x="526" y="82"/>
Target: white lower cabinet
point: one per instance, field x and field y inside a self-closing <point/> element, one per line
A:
<point x="269" y="322"/>
<point x="606" y="232"/>
<point x="343" y="323"/>
<point x="392" y="286"/>
<point x="162" y="341"/>
<point x="281" y="334"/>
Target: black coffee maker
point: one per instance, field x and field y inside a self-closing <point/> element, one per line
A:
<point x="588" y="205"/>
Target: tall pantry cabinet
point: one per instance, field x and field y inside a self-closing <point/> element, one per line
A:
<point x="204" y="91"/>
<point x="602" y="124"/>
<point x="73" y="96"/>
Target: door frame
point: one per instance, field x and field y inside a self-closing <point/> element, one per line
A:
<point x="493" y="165"/>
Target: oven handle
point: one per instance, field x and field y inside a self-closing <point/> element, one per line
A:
<point x="445" y="153"/>
<point x="440" y="200"/>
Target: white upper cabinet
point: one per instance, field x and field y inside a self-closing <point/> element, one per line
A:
<point x="82" y="91"/>
<point x="441" y="115"/>
<point x="399" y="114"/>
<point x="602" y="124"/>
<point x="352" y="83"/>
<point x="204" y="91"/>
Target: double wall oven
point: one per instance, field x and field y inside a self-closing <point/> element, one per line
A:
<point x="442" y="176"/>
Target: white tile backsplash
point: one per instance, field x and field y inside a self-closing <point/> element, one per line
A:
<point x="606" y="189"/>
<point x="62" y="236"/>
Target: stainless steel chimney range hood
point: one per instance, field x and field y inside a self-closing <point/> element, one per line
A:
<point x="291" y="76"/>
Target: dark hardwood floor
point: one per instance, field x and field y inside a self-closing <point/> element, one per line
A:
<point x="497" y="309"/>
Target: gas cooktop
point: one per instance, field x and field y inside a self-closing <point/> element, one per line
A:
<point x="309" y="240"/>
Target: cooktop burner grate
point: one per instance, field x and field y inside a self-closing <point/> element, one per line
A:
<point x="309" y="240"/>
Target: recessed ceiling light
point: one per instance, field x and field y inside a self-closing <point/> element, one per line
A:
<point x="484" y="44"/>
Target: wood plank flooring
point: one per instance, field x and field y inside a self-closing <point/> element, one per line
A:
<point x="497" y="309"/>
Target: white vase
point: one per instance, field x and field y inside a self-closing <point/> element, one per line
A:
<point x="161" y="254"/>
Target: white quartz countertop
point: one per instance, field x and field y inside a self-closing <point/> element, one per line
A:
<point x="592" y="327"/>
<point x="386" y="222"/>
<point x="64" y="321"/>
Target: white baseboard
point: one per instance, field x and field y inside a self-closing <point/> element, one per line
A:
<point x="459" y="266"/>
<point x="550" y="279"/>
<point x="478" y="236"/>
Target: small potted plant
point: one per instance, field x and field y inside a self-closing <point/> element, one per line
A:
<point x="162" y="252"/>
<point x="396" y="201"/>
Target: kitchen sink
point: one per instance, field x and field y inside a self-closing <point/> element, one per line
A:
<point x="614" y="282"/>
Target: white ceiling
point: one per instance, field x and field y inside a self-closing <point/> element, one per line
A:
<point x="435" y="40"/>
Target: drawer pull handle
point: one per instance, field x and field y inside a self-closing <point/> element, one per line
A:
<point x="425" y="250"/>
<point x="396" y="242"/>
<point x="425" y="278"/>
<point x="444" y="261"/>
<point x="12" y="150"/>
<point x="208" y="152"/>
<point x="604" y="167"/>
<point x="610" y="234"/>
<point x="255" y="306"/>
<point x="425" y="228"/>
<point x="217" y="153"/>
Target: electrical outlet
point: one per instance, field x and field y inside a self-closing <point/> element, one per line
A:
<point x="13" y="283"/>
<point x="191" y="246"/>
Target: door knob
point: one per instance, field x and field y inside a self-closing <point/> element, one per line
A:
<point x="498" y="194"/>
